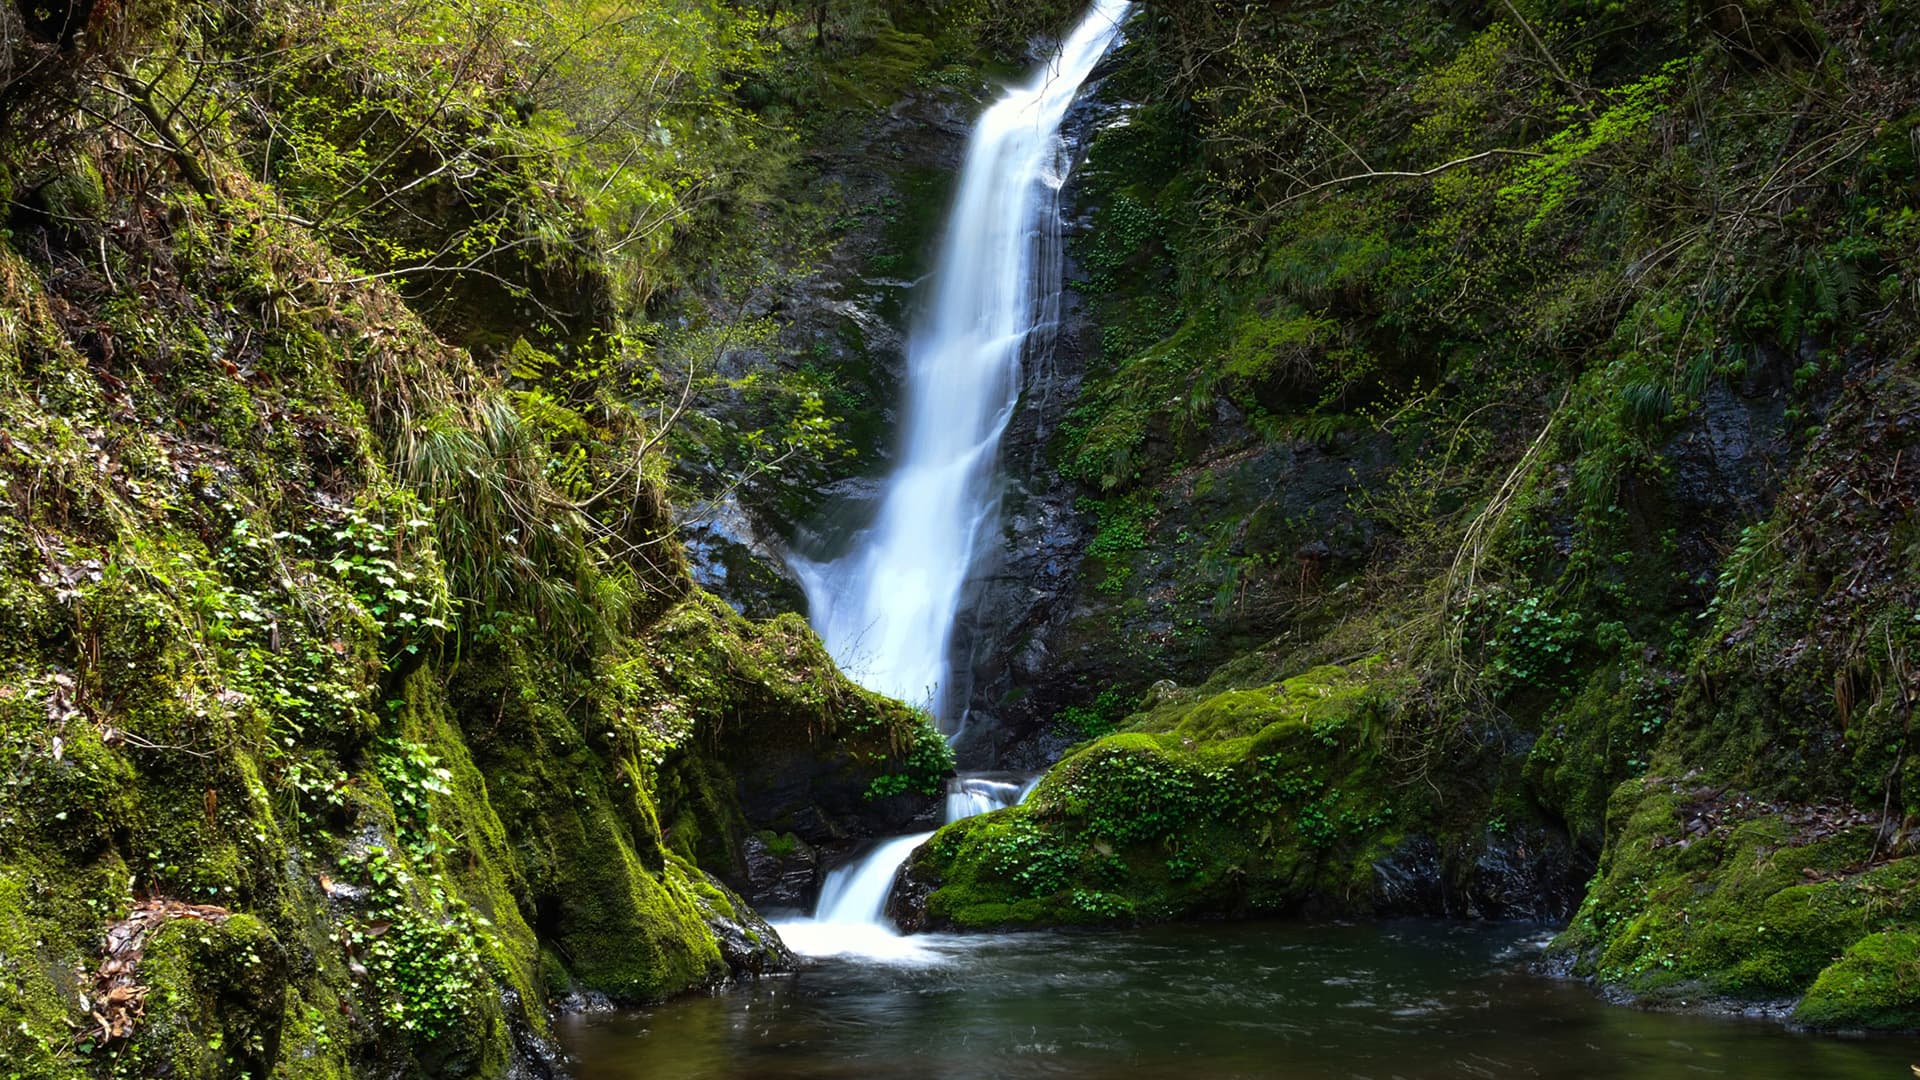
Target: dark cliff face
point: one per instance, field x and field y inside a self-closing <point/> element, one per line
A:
<point x="844" y="318"/>
<point x="852" y="314"/>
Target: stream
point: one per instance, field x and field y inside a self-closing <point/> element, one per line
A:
<point x="1290" y="1001"/>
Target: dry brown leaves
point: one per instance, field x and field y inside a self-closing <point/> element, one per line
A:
<point x="118" y="1001"/>
<point x="1707" y="810"/>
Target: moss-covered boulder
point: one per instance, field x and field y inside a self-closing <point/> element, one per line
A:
<point x="216" y="1002"/>
<point x="1874" y="984"/>
<point x="1271" y="799"/>
<point x="1710" y="895"/>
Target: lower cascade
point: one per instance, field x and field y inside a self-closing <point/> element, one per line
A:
<point x="851" y="915"/>
<point x="968" y="796"/>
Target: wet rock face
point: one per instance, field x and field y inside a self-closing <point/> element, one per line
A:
<point x="1729" y="459"/>
<point x="907" y="903"/>
<point x="747" y="943"/>
<point x="1233" y="545"/>
<point x="1022" y="598"/>
<point x="732" y="558"/>
<point x="781" y="871"/>
<point x="1518" y="874"/>
<point x="819" y="799"/>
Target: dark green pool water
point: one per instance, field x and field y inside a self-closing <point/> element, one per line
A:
<point x="1307" y="1002"/>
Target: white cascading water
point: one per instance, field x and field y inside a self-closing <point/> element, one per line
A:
<point x="969" y="796"/>
<point x="851" y="917"/>
<point x="886" y="609"/>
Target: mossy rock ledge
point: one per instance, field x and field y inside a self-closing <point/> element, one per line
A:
<point x="1271" y="800"/>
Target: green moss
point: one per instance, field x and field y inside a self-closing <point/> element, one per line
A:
<point x="1326" y="699"/>
<point x="1702" y="894"/>
<point x="466" y="844"/>
<point x="313" y="1039"/>
<point x="779" y="845"/>
<point x="883" y="69"/>
<point x="1272" y="799"/>
<point x="628" y="929"/>
<point x="588" y="840"/>
<point x="1604" y="736"/>
<point x="36" y="985"/>
<point x="1874" y="984"/>
<point x="216" y="1002"/>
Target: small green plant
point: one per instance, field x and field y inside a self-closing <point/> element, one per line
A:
<point x="1128" y="796"/>
<point x="1095" y="718"/>
<point x="381" y="562"/>
<point x="1533" y="646"/>
<point x="413" y="776"/>
<point x="925" y="768"/>
<point x="425" y="972"/>
<point x="1103" y="905"/>
<point x="1120" y="530"/>
<point x="1030" y="857"/>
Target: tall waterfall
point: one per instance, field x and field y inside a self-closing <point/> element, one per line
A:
<point x="887" y="607"/>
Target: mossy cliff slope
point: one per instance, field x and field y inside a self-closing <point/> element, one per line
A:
<point x="240" y="678"/>
<point x="354" y="700"/>
<point x="1503" y="417"/>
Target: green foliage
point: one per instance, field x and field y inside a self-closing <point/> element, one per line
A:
<point x="425" y="971"/>
<point x="1605" y="735"/>
<point x="1097" y="717"/>
<point x="925" y="766"/>
<point x="1127" y="797"/>
<point x="482" y="107"/>
<point x="371" y="558"/>
<point x="1030" y="859"/>
<point x="1120" y="530"/>
<point x="1544" y="183"/>
<point x="1533" y="644"/>
<point x="412" y="776"/>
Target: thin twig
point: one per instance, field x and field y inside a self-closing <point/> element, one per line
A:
<point x="1384" y="174"/>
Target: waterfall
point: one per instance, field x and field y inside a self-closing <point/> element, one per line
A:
<point x="886" y="608"/>
<point x="968" y="796"/>
<point x="851" y="917"/>
<point x="856" y="894"/>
